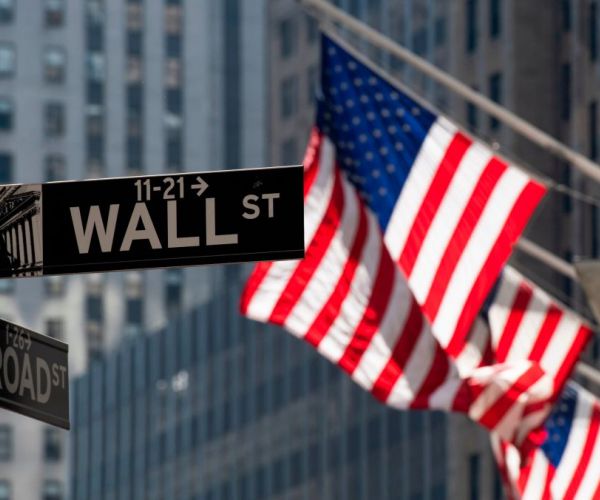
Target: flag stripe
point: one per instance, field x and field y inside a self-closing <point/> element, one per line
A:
<point x="517" y="311"/>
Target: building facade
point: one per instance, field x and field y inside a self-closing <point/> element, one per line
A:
<point x="219" y="407"/>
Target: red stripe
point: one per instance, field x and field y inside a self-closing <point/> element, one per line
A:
<point x="374" y="313"/>
<point x="314" y="254"/>
<point x="393" y="370"/>
<point x="432" y="200"/>
<point x="330" y="311"/>
<point x="547" y="494"/>
<point x="575" y="349"/>
<point x="586" y="455"/>
<point x="256" y="278"/>
<point x="311" y="159"/>
<point x="462" y="234"/>
<point x="513" y="227"/>
<point x="435" y="378"/>
<point x="496" y="412"/>
<point x="517" y="311"/>
<point x="525" y="472"/>
<point x="547" y="330"/>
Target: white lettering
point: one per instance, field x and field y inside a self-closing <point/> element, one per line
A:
<point x="43" y="397"/>
<point x="140" y="213"/>
<point x="11" y="385"/>
<point x="27" y="378"/>
<point x="212" y="238"/>
<point x="94" y="223"/>
<point x="175" y="241"/>
<point x="250" y="206"/>
<point x="270" y="197"/>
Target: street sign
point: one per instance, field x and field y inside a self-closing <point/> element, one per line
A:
<point x="151" y="221"/>
<point x="34" y="375"/>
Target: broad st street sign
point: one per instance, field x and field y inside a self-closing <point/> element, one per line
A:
<point x="151" y="221"/>
<point x="34" y="375"/>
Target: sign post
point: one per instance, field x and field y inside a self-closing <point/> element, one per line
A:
<point x="151" y="221"/>
<point x="34" y="375"/>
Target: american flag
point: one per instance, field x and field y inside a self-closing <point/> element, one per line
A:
<point x="349" y="299"/>
<point x="450" y="210"/>
<point x="567" y="464"/>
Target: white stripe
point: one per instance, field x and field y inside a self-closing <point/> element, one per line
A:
<point x="591" y="478"/>
<point x="447" y="217"/>
<point x="470" y="357"/>
<point x="472" y="260"/>
<point x="534" y="489"/>
<point x="575" y="444"/>
<point x="326" y="277"/>
<point x="333" y="345"/>
<point x="559" y="345"/>
<point x="528" y="330"/>
<point x="417" y="184"/>
<point x="415" y="371"/>
<point x="379" y="351"/>
<point x="502" y="306"/>
<point x="269" y="291"/>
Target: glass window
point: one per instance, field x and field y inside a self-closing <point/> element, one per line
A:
<point x="134" y="43"/>
<point x="55" y="62"/>
<point x="312" y="28"/>
<point x="287" y="38"/>
<point x="134" y="153"/>
<point x="54" y="14"/>
<point x="593" y="129"/>
<point x="134" y="311"/>
<point x="54" y="119"/>
<point x="54" y="285"/>
<point x="95" y="93"/>
<point x="5" y="490"/>
<point x="7" y="11"/>
<point x="289" y="152"/>
<point x="440" y="31"/>
<point x="173" y="19"/>
<point x="94" y="308"/>
<point x="173" y="289"/>
<point x="471" y="26"/>
<point x="95" y="66"/>
<point x="55" y="167"/>
<point x="6" y="114"/>
<point x="55" y="328"/>
<point x="495" y="18"/>
<point x="7" y="60"/>
<point x="566" y="15"/>
<point x="174" y="98"/>
<point x="134" y="98"/>
<point x="174" y="150"/>
<point x="6" y="443"/>
<point x="52" y="490"/>
<point x="565" y="100"/>
<point x="52" y="444"/>
<point x="6" y="167"/>
<point x="173" y="43"/>
<point x="289" y="97"/>
<point x="495" y="95"/>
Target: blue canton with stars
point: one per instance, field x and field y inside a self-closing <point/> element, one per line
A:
<point x="558" y="425"/>
<point x="376" y="128"/>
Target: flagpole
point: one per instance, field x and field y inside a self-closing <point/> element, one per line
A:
<point x="531" y="132"/>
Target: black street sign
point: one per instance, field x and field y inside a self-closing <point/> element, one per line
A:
<point x="151" y="221"/>
<point x="34" y="375"/>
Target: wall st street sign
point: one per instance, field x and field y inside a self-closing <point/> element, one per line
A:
<point x="151" y="221"/>
<point x="34" y="376"/>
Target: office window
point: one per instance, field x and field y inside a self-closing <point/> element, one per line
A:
<point x="565" y="98"/>
<point x="289" y="97"/>
<point x="95" y="66"/>
<point x="174" y="150"/>
<point x="134" y="153"/>
<point x="440" y="31"/>
<point x="95" y="93"/>
<point x="54" y="165"/>
<point x="55" y="328"/>
<point x="173" y="98"/>
<point x="6" y="167"/>
<point x="95" y="308"/>
<point x="5" y="490"/>
<point x="287" y="38"/>
<point x="135" y="16"/>
<point x="52" y="490"/>
<point x="312" y="29"/>
<point x="55" y="61"/>
<point x="173" y="73"/>
<point x="289" y="152"/>
<point x="52" y="444"/>
<point x="495" y="83"/>
<point x="471" y="27"/>
<point x="593" y="129"/>
<point x="173" y="289"/>
<point x="173" y="19"/>
<point x="54" y="286"/>
<point x="474" y="472"/>
<point x="173" y="43"/>
<point x="7" y="60"/>
<point x="54" y="13"/>
<point x="54" y="119"/>
<point x="95" y="37"/>
<point x="134" y="43"/>
<point x="134" y="98"/>
<point x="6" y="114"/>
<point x="566" y="15"/>
<point x="495" y="18"/>
<point x="593" y="31"/>
<point x="6" y="443"/>
<point x="7" y="11"/>
<point x="134" y="316"/>
<point x="95" y="147"/>
<point x="472" y="116"/>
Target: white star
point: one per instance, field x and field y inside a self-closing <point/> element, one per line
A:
<point x="356" y="120"/>
<point x="362" y="138"/>
<point x="379" y="97"/>
<point x="351" y="65"/>
<point x="383" y="151"/>
<point x="371" y="116"/>
<point x="382" y="191"/>
<point x="416" y="111"/>
<point x="377" y="133"/>
<point x="385" y="112"/>
<point x="376" y="173"/>
<point x="331" y="51"/>
<point x="344" y="86"/>
<point x="364" y="99"/>
<point x="358" y="82"/>
<point x="337" y="68"/>
<point x="399" y="146"/>
<point x="390" y="168"/>
<point x="406" y="127"/>
<point x="369" y="155"/>
<point x="400" y="112"/>
<point x="348" y="161"/>
<point x="372" y="80"/>
<point x="350" y="103"/>
<point x="394" y="95"/>
<point x="392" y="129"/>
